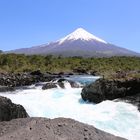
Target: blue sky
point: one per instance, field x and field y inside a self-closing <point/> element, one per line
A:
<point x="26" y="23"/>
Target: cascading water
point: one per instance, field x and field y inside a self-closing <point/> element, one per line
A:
<point x="67" y="85"/>
<point x="118" y="118"/>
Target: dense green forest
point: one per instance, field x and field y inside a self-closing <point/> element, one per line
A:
<point x="22" y="63"/>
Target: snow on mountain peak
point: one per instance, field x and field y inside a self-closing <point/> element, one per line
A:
<point x="81" y="34"/>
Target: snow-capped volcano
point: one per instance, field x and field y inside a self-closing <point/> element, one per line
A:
<point x="81" y="34"/>
<point x="78" y="43"/>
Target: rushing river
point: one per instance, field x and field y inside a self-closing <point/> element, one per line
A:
<point x="118" y="118"/>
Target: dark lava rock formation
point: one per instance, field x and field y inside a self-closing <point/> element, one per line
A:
<point x="10" y="81"/>
<point x="47" y="129"/>
<point x="61" y="83"/>
<point x="9" y="110"/>
<point x="104" y="89"/>
<point x="49" y="86"/>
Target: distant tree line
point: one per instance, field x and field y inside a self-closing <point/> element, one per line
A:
<point x="22" y="63"/>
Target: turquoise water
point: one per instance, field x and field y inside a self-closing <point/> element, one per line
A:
<point x="83" y="79"/>
<point x="118" y="118"/>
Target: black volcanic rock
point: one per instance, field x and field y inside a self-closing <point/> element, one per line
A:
<point x="9" y="81"/>
<point x="49" y="86"/>
<point x="104" y="89"/>
<point x="9" y="110"/>
<point x="78" y="43"/>
<point x="61" y="83"/>
<point x="47" y="129"/>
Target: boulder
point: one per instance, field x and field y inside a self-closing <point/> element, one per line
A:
<point x="49" y="86"/>
<point x="105" y="89"/>
<point x="61" y="83"/>
<point x="9" y="110"/>
<point x="51" y="129"/>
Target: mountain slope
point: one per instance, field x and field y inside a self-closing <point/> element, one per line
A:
<point x="79" y="43"/>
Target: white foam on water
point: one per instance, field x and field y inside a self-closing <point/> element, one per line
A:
<point x="67" y="85"/>
<point x="118" y="118"/>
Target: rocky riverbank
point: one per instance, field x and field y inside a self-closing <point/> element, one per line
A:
<point x="60" y="128"/>
<point x="23" y="79"/>
<point x="108" y="89"/>
<point x="51" y="129"/>
<point x="11" y="81"/>
<point x="26" y="128"/>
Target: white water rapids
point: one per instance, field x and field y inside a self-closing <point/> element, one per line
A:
<point x="118" y="118"/>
